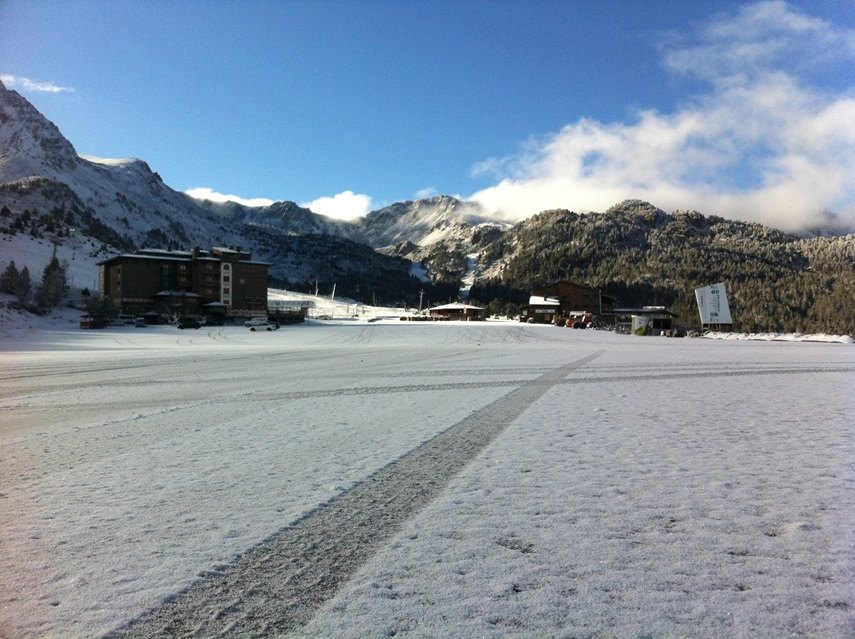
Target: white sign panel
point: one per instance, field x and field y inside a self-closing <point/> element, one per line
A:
<point x="712" y="304"/>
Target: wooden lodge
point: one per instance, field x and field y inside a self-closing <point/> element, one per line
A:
<point x="566" y="303"/>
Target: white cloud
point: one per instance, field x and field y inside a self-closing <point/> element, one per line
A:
<point x="204" y="193"/>
<point x="344" y="206"/>
<point x="761" y="144"/>
<point x="425" y="193"/>
<point x="758" y="37"/>
<point x="32" y="86"/>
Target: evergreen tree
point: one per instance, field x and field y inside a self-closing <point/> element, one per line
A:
<point x="53" y="285"/>
<point x="9" y="278"/>
<point x="100" y="307"/>
<point x="24" y="286"/>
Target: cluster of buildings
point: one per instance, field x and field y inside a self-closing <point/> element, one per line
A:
<point x="574" y="306"/>
<point x="162" y="285"/>
<point x="578" y="306"/>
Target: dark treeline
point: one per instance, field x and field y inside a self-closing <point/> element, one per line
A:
<point x="634" y="252"/>
<point x="642" y="255"/>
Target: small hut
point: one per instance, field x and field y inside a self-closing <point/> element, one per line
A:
<point x="647" y="320"/>
<point x="456" y="311"/>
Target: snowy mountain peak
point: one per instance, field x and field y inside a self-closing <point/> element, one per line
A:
<point x="423" y="222"/>
<point x="30" y="144"/>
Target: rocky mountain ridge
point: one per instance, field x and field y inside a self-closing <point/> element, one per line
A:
<point x="437" y="245"/>
<point x="125" y="204"/>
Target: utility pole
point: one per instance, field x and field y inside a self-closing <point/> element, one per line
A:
<point x="421" y="295"/>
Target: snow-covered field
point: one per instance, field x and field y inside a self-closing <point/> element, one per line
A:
<point x="637" y="487"/>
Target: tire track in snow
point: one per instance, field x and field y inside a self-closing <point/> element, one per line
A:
<point x="278" y="585"/>
<point x="477" y="385"/>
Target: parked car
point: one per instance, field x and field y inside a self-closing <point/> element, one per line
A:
<point x="188" y="322"/>
<point x="92" y="321"/>
<point x="258" y="320"/>
<point x="267" y="326"/>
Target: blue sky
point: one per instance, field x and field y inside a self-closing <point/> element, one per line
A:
<point x="741" y="109"/>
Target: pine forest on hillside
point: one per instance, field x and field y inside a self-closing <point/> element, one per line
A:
<point x="634" y="252"/>
<point x="644" y="256"/>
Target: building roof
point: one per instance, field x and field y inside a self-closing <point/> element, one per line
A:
<point x="539" y="300"/>
<point x="163" y="252"/>
<point x="644" y="310"/>
<point x="456" y="306"/>
<point x="186" y="256"/>
<point x="139" y="256"/>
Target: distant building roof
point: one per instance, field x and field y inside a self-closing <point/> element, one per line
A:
<point x="644" y="310"/>
<point x="163" y="252"/>
<point x="539" y="300"/>
<point x="217" y="254"/>
<point x="184" y="257"/>
<point x="456" y="306"/>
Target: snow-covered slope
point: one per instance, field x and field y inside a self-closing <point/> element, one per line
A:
<point x="29" y="143"/>
<point x="124" y="203"/>
<point x="79" y="252"/>
<point x="283" y="217"/>
<point x="425" y="222"/>
<point x="40" y="169"/>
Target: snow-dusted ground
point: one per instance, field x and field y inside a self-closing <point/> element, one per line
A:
<point x="664" y="488"/>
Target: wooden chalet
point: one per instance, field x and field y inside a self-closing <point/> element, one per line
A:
<point x="566" y="303"/>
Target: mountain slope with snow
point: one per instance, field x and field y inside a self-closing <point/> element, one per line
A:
<point x="40" y="169"/>
<point x="635" y="251"/>
<point x="123" y="204"/>
<point x="128" y="196"/>
<point x="425" y="222"/>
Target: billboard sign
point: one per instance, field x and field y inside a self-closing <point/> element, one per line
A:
<point x="712" y="304"/>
